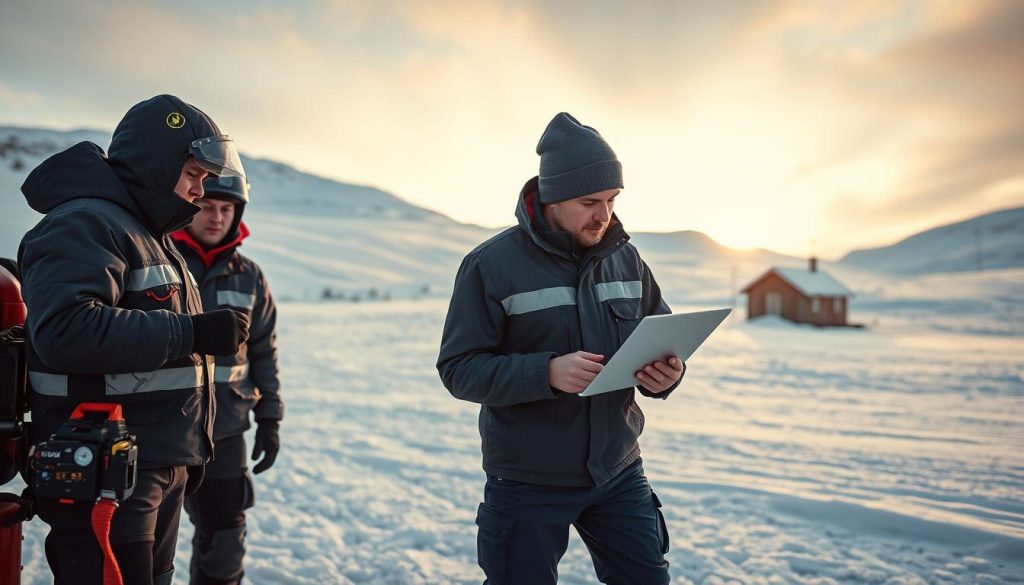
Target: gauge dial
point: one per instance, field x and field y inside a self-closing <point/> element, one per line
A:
<point x="83" y="456"/>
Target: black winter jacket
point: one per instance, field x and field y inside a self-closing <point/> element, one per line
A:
<point x="522" y="298"/>
<point x="247" y="381"/>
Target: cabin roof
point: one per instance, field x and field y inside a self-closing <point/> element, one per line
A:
<point x="813" y="284"/>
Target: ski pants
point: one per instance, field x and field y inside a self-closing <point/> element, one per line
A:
<point x="523" y="530"/>
<point x="217" y="510"/>
<point x="143" y="534"/>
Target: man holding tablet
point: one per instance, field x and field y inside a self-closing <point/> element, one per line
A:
<point x="535" y="311"/>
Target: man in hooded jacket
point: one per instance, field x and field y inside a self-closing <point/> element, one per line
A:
<point x="246" y="381"/>
<point x="535" y="311"/>
<point x="114" y="316"/>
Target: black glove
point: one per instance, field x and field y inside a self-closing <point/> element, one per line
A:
<point x="219" y="332"/>
<point x="267" y="442"/>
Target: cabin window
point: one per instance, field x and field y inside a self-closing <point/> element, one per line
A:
<point x="773" y="303"/>
<point x="816" y="305"/>
<point x="837" y="305"/>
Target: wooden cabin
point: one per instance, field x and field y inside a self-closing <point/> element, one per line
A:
<point x="799" y="295"/>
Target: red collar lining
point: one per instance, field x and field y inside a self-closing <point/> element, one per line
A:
<point x="528" y="201"/>
<point x="210" y="256"/>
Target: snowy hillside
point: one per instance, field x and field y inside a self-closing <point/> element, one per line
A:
<point x="702" y="270"/>
<point x="280" y="189"/>
<point x="310" y="234"/>
<point x="993" y="240"/>
<point x="21" y="149"/>
<point x="316" y="237"/>
<point x="313" y="235"/>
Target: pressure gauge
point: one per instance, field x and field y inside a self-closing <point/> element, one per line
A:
<point x="83" y="456"/>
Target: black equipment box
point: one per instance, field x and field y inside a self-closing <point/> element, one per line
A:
<point x="92" y="455"/>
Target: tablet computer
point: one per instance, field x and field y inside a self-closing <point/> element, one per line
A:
<point x="655" y="338"/>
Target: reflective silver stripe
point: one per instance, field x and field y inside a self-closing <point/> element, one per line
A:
<point x="230" y="373"/>
<point x="168" y="379"/>
<point x="192" y="278"/>
<point x="536" y="300"/>
<point x="48" y="384"/>
<point x="150" y="276"/>
<point x="233" y="298"/>
<point x="623" y="289"/>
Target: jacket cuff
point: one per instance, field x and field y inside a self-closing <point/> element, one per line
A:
<point x="268" y="409"/>
<point x="187" y="337"/>
<point x="664" y="395"/>
<point x="536" y="375"/>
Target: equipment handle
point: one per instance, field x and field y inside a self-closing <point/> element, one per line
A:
<point x="113" y="411"/>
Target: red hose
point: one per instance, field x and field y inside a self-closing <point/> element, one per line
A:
<point x="102" y="515"/>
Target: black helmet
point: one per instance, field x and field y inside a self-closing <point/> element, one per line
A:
<point x="231" y="188"/>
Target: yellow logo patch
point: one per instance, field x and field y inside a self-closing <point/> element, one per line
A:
<point x="175" y="120"/>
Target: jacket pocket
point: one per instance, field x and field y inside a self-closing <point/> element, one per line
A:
<point x="501" y="435"/>
<point x="235" y="400"/>
<point x="180" y="405"/>
<point x="635" y="418"/>
<point x="248" y="491"/>
<point x="662" y="526"/>
<point x="567" y="336"/>
<point x="245" y="391"/>
<point x="569" y="319"/>
<point x="166" y="297"/>
<point x="626" y="313"/>
<point x="494" y="534"/>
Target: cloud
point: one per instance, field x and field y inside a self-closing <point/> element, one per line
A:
<point x="845" y="118"/>
<point x="952" y="181"/>
<point x="953" y="96"/>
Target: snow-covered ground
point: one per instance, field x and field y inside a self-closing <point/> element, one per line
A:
<point x="892" y="454"/>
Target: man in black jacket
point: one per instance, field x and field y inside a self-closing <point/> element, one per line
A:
<point x="534" y="313"/>
<point x="247" y="381"/>
<point x="114" y="316"/>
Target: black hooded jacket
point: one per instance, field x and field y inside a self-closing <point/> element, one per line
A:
<point x="248" y="380"/>
<point x="522" y="298"/>
<point x="109" y="296"/>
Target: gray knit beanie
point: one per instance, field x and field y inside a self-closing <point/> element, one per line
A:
<point x="575" y="161"/>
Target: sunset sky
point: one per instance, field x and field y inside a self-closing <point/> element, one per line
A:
<point x="761" y="123"/>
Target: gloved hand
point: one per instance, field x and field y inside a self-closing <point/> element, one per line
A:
<point x="267" y="442"/>
<point x="219" y="332"/>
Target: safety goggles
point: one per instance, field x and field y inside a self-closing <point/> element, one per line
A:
<point x="217" y="155"/>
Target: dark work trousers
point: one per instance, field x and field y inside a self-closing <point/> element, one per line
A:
<point x="523" y="530"/>
<point x="217" y="510"/>
<point x="143" y="534"/>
